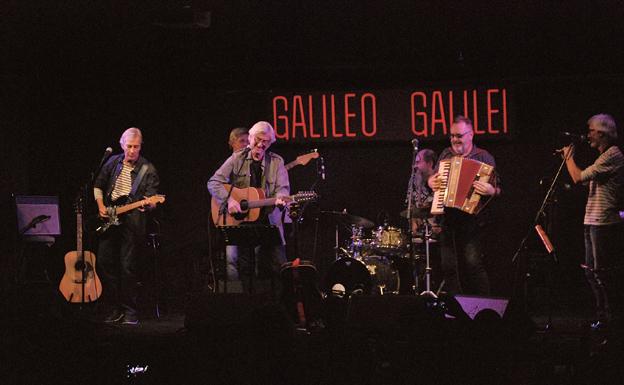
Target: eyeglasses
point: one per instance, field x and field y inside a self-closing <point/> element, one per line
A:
<point x="458" y="136"/>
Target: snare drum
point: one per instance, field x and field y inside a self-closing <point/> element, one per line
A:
<point x="390" y="240"/>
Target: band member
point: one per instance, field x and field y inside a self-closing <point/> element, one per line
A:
<point x="460" y="238"/>
<point x="604" y="225"/>
<point x="128" y="174"/>
<point x="418" y="189"/>
<point x="239" y="138"/>
<point x="255" y="166"/>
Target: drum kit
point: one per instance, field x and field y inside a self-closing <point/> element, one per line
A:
<point x="380" y="260"/>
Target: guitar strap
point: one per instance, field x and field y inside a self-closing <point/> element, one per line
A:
<point x="137" y="181"/>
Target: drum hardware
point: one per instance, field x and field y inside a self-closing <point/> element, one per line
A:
<point x="346" y="219"/>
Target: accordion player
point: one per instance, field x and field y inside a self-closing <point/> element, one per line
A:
<point x="457" y="175"/>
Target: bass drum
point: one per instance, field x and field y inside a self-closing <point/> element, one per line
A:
<point x="372" y="274"/>
<point x="351" y="274"/>
<point x="384" y="276"/>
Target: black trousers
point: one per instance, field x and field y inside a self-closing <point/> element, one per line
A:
<point x="117" y="266"/>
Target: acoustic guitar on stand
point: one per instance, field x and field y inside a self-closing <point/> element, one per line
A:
<point x="251" y="200"/>
<point x="80" y="283"/>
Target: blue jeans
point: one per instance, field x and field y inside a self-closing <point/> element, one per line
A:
<point x="604" y="256"/>
<point x="258" y="270"/>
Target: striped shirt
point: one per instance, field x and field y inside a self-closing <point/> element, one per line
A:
<point x="606" y="181"/>
<point x="123" y="184"/>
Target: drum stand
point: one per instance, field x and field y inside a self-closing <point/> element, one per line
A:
<point x="427" y="231"/>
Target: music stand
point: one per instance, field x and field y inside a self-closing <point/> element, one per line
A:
<point x="38" y="223"/>
<point x="250" y="236"/>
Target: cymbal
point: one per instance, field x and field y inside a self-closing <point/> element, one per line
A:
<point x="420" y="212"/>
<point x="349" y="219"/>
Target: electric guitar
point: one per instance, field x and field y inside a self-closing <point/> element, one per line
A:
<point x="302" y="160"/>
<point x="251" y="200"/>
<point x="118" y="207"/>
<point x="80" y="282"/>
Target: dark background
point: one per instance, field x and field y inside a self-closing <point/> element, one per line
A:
<point x="76" y="74"/>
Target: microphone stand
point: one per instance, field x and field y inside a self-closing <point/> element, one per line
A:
<point x="410" y="198"/>
<point x="540" y="213"/>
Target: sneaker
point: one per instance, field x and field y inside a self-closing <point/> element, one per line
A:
<point x="130" y="319"/>
<point x="114" y="316"/>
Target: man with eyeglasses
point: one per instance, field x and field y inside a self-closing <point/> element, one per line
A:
<point x="604" y="226"/>
<point x="461" y="256"/>
<point x="255" y="166"/>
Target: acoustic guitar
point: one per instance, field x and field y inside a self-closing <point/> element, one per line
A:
<point x="251" y="200"/>
<point x="80" y="282"/>
<point x="119" y="207"/>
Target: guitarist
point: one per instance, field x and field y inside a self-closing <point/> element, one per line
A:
<point x="255" y="166"/>
<point x="124" y="175"/>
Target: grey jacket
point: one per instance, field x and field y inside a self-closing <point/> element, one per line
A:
<point x="274" y="180"/>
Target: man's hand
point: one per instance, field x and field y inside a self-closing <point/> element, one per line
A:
<point x="280" y="202"/>
<point x="483" y="188"/>
<point x="233" y="206"/>
<point x="435" y="182"/>
<point x="567" y="152"/>
<point x="102" y="210"/>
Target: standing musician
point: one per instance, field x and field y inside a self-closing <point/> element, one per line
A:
<point x="127" y="174"/>
<point x="604" y="225"/>
<point x="461" y="256"/>
<point x="254" y="166"/>
<point x="238" y="140"/>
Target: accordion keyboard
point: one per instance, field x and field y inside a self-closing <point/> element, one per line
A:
<point x="437" y="205"/>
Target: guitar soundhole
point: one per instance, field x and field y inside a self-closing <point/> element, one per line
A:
<point x="81" y="265"/>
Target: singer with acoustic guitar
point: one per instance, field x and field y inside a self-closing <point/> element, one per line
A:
<point x="124" y="178"/>
<point x="255" y="166"/>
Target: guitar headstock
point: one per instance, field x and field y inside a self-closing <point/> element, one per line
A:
<point x="305" y="196"/>
<point x="306" y="158"/>
<point x="154" y="199"/>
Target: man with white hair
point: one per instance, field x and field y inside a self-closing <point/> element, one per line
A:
<point x="125" y="175"/>
<point x="604" y="227"/>
<point x="255" y="166"/>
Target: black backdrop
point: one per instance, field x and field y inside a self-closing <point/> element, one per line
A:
<point x="78" y="75"/>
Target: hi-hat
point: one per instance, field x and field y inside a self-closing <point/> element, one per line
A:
<point x="349" y="219"/>
<point x="420" y="212"/>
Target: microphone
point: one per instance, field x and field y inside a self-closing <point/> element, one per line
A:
<point x="322" y="167"/>
<point x="415" y="144"/>
<point x="574" y="137"/>
<point x="107" y="153"/>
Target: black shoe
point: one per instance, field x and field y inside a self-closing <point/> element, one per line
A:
<point x="130" y="319"/>
<point x="114" y="316"/>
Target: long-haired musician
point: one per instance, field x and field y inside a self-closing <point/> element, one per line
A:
<point x="255" y="166"/>
<point x="461" y="255"/>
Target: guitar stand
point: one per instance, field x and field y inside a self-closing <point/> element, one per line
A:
<point x="250" y="236"/>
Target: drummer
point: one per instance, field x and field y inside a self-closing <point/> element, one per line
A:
<point x="421" y="194"/>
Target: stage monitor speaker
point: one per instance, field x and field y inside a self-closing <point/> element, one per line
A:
<point x="473" y="304"/>
<point x="37" y="215"/>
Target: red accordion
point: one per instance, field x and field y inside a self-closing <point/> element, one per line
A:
<point x="458" y="175"/>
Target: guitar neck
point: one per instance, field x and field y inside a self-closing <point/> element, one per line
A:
<point x="79" y="233"/>
<point x="261" y="203"/>
<point x="130" y="206"/>
<point x="292" y="164"/>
